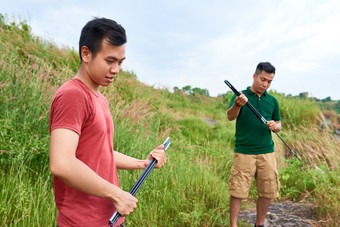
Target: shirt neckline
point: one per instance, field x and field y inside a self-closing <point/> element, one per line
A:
<point x="86" y="87"/>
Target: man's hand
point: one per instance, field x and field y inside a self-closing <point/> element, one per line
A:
<point x="234" y="110"/>
<point x="240" y="100"/>
<point x="124" y="202"/>
<point x="159" y="154"/>
<point x="274" y="125"/>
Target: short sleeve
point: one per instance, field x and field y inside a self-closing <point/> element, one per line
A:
<point x="232" y="101"/>
<point x="69" y="110"/>
<point x="276" y="112"/>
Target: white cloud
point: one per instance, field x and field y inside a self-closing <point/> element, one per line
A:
<point x="202" y="43"/>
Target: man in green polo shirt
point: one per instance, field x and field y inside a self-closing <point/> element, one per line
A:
<point x="254" y="148"/>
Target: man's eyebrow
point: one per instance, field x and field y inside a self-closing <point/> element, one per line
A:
<point x="114" y="58"/>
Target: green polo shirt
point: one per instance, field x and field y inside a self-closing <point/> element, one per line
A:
<point x="252" y="136"/>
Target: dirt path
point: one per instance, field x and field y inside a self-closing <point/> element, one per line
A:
<point x="282" y="214"/>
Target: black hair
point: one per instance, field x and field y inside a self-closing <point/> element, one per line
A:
<point x="264" y="66"/>
<point x="98" y="29"/>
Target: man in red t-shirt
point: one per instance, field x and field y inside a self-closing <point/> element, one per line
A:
<point x="82" y="160"/>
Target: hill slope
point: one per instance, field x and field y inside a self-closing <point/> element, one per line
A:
<point x="192" y="189"/>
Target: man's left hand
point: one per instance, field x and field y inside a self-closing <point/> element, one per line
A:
<point x="159" y="154"/>
<point x="271" y="125"/>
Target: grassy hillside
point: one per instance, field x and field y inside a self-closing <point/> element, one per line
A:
<point x="191" y="190"/>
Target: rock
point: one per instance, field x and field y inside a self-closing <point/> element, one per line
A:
<point x="211" y="122"/>
<point x="284" y="214"/>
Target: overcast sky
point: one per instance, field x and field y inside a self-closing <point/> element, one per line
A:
<point x="202" y="43"/>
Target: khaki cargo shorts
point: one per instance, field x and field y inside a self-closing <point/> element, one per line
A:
<point x="246" y="167"/>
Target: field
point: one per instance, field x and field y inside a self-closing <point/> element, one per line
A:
<point x="191" y="190"/>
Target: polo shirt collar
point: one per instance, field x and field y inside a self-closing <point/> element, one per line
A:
<point x="249" y="92"/>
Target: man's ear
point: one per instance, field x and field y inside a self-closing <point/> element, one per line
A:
<point x="254" y="75"/>
<point x="85" y="54"/>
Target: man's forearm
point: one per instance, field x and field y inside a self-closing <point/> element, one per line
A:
<point x="278" y="126"/>
<point x="79" y="176"/>
<point x="233" y="112"/>
<point x="127" y="162"/>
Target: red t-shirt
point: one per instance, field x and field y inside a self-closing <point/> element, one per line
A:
<point x="76" y="107"/>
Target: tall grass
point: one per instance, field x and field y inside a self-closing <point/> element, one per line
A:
<point x="296" y="112"/>
<point x="191" y="189"/>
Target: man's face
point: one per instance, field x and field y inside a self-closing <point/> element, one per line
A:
<point x="262" y="82"/>
<point x="103" y="68"/>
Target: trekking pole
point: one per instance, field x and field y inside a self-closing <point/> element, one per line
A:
<point x="113" y="220"/>
<point x="258" y="115"/>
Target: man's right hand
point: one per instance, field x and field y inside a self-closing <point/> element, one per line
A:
<point x="234" y="110"/>
<point x="240" y="100"/>
<point x="124" y="202"/>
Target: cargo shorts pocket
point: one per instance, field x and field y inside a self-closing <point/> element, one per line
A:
<point x="234" y="179"/>
<point x="269" y="185"/>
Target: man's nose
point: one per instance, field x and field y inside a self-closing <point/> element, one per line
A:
<point x="115" y="68"/>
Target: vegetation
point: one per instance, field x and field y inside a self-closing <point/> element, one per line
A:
<point x="325" y="104"/>
<point x="191" y="190"/>
<point x="192" y="91"/>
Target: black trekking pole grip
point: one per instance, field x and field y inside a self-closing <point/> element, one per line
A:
<point x="232" y="88"/>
